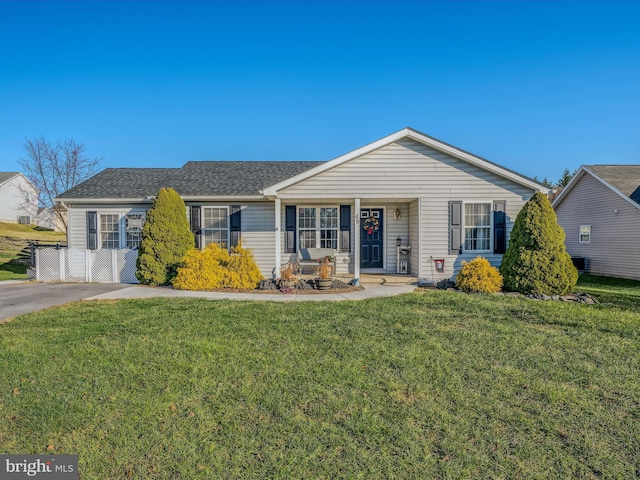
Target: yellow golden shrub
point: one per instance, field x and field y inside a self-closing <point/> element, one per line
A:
<point x="214" y="268"/>
<point x="478" y="276"/>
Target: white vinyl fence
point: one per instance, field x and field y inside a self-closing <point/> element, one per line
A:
<point x="80" y="265"/>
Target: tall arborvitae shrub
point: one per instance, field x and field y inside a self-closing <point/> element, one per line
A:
<point x="537" y="260"/>
<point x="165" y="239"/>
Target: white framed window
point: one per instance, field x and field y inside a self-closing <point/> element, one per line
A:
<point x="215" y="226"/>
<point x="477" y="227"/>
<point x="318" y="227"/>
<point x="133" y="223"/>
<point x="120" y="230"/>
<point x="585" y="233"/>
<point x="110" y="231"/>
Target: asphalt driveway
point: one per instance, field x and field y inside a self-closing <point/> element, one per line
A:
<point x="20" y="298"/>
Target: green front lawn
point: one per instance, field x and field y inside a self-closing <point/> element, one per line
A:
<point x="426" y="385"/>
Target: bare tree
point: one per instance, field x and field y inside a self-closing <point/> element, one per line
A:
<point x="55" y="168"/>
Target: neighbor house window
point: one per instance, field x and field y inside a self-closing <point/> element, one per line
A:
<point x="585" y="233"/>
<point x="215" y="226"/>
<point x="133" y="228"/>
<point x="110" y="231"/>
<point x="318" y="227"/>
<point x="477" y="227"/>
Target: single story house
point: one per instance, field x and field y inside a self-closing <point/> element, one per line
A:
<point x="18" y="198"/>
<point x="448" y="205"/>
<point x="599" y="211"/>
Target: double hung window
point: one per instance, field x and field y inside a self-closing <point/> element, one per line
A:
<point x="585" y="233"/>
<point x="120" y="230"/>
<point x="477" y="227"/>
<point x="215" y="226"/>
<point x="110" y="231"/>
<point x="318" y="227"/>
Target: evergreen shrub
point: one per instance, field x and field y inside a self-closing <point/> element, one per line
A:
<point x="479" y="276"/>
<point x="165" y="238"/>
<point x="536" y="260"/>
<point x="215" y="268"/>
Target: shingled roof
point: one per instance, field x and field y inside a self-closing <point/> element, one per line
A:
<point x="233" y="178"/>
<point x="625" y="178"/>
<point x="6" y="176"/>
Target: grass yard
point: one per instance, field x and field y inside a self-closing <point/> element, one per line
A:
<point x="426" y="385"/>
<point x="13" y="238"/>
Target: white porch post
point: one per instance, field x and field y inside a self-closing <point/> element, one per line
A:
<point x="278" y="216"/>
<point x="356" y="239"/>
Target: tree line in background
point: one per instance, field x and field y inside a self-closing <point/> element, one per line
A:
<point x="563" y="181"/>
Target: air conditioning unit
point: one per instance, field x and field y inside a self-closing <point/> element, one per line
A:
<point x="24" y="220"/>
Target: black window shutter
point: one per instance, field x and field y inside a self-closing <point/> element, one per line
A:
<point x="290" y="229"/>
<point x="196" y="223"/>
<point x="92" y="230"/>
<point x="499" y="227"/>
<point x="235" y="223"/>
<point x="345" y="228"/>
<point x="455" y="227"/>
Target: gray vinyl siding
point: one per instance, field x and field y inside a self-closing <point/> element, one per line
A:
<point x="257" y="231"/>
<point x="77" y="219"/>
<point x="614" y="249"/>
<point x="257" y="227"/>
<point x="258" y="234"/>
<point x="406" y="171"/>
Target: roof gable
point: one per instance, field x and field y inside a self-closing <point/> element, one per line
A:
<point x="6" y="176"/>
<point x="624" y="180"/>
<point x="418" y="137"/>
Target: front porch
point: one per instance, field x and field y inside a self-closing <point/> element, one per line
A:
<point x="363" y="233"/>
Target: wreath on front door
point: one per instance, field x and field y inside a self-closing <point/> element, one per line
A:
<point x="371" y="224"/>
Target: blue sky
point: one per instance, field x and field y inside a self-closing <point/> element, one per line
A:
<point x="534" y="86"/>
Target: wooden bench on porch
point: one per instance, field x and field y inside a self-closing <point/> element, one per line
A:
<point x="310" y="256"/>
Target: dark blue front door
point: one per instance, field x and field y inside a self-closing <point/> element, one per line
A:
<point x="371" y="248"/>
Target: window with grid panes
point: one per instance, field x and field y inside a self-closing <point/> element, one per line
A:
<point x="133" y="229"/>
<point x="215" y="226"/>
<point x="318" y="227"/>
<point x="110" y="231"/>
<point x="477" y="227"/>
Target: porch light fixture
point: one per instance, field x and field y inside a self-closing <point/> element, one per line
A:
<point x="398" y="242"/>
<point x="396" y="214"/>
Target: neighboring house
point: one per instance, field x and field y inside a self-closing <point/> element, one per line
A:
<point x="447" y="204"/>
<point x="599" y="211"/>
<point x="52" y="218"/>
<point x="18" y="198"/>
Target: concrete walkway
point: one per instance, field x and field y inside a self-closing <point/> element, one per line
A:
<point x="370" y="291"/>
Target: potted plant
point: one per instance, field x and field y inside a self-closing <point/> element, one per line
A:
<point x="287" y="276"/>
<point x="324" y="269"/>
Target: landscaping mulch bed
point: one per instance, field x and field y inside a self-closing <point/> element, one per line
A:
<point x="302" y="287"/>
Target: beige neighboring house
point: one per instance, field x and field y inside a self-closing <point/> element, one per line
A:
<point x="18" y="199"/>
<point x="52" y="218"/>
<point x="599" y="211"/>
<point x="407" y="188"/>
